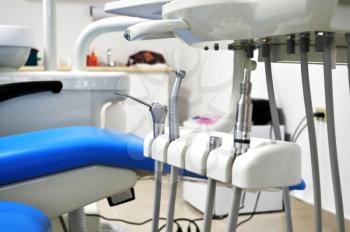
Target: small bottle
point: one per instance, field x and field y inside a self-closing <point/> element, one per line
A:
<point x="93" y="59"/>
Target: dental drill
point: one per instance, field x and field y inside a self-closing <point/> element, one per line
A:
<point x="304" y="47"/>
<point x="328" y="39"/>
<point x="276" y="125"/>
<point x="158" y="112"/>
<point x="174" y="133"/>
<point x="214" y="142"/>
<point x="241" y="141"/>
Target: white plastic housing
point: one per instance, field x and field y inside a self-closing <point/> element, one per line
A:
<point x="177" y="150"/>
<point x="271" y="165"/>
<point x="266" y="165"/>
<point x="147" y="145"/>
<point x="220" y="160"/>
<point x="149" y="9"/>
<point x="158" y="148"/>
<point x="212" y="20"/>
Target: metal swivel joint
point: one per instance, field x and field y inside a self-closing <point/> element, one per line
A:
<point x="158" y="112"/>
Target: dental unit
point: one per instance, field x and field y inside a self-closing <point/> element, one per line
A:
<point x="38" y="158"/>
<point x="275" y="28"/>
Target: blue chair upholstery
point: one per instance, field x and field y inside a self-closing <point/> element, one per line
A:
<point x="41" y="153"/>
<point x="15" y="217"/>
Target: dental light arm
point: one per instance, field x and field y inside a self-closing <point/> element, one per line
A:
<point x="156" y="28"/>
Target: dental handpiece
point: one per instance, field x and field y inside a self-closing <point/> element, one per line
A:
<point x="243" y="124"/>
<point x="158" y="112"/>
<point x="241" y="141"/>
<point x="174" y="133"/>
<point x="214" y="142"/>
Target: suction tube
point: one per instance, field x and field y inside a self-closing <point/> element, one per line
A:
<point x="154" y="28"/>
<point x="304" y="46"/>
<point x="174" y="133"/>
<point x="276" y="128"/>
<point x="347" y="38"/>
<point x="328" y="84"/>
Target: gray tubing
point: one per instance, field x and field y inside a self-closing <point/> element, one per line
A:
<point x="312" y="141"/>
<point x="172" y="199"/>
<point x="327" y="65"/>
<point x="209" y="207"/>
<point x="347" y="37"/>
<point x="157" y="195"/>
<point x="174" y="133"/>
<point x="77" y="221"/>
<point x="234" y="210"/>
<point x="278" y="136"/>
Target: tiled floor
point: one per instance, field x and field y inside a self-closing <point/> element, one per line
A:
<point x="141" y="209"/>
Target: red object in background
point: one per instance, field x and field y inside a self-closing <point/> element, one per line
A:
<point x="92" y="60"/>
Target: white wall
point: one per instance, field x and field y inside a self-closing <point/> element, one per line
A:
<point x="290" y="98"/>
<point x="206" y="90"/>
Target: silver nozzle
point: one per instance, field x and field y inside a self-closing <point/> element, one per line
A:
<point x="127" y="35"/>
<point x="158" y="112"/>
<point x="214" y="142"/>
<point x="180" y="74"/>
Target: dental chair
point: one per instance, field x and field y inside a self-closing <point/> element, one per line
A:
<point x="62" y="170"/>
<point x="17" y="217"/>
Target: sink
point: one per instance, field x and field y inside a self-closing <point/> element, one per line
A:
<point x="15" y="45"/>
